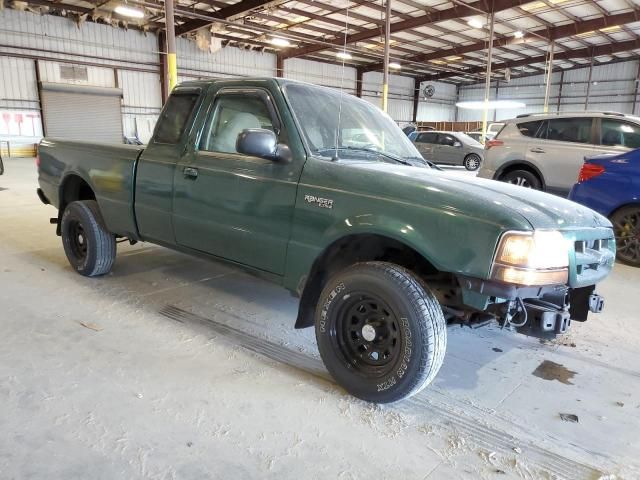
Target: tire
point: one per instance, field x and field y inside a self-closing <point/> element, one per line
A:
<point x="381" y="334"/>
<point x="626" y="228"/>
<point x="89" y="246"/>
<point x="472" y="162"/>
<point x="524" y="178"/>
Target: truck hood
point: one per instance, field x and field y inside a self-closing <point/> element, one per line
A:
<point x="510" y="205"/>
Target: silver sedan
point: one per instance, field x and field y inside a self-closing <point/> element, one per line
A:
<point x="450" y="148"/>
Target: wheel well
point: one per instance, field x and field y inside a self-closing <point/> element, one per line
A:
<point x="350" y="250"/>
<point x="521" y="166"/>
<point x="73" y="188"/>
<point x="626" y="205"/>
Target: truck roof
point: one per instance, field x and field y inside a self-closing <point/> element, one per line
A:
<point x="210" y="81"/>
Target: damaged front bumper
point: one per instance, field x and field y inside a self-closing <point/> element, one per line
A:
<point x="541" y="312"/>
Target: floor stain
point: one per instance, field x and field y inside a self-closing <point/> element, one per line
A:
<point x="548" y="370"/>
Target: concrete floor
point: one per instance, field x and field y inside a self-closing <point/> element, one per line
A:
<point x="175" y="368"/>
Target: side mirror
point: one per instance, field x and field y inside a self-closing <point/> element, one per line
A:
<point x="263" y="143"/>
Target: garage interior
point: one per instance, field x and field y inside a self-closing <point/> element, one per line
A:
<point x="172" y="367"/>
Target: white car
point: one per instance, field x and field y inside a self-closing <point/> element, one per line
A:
<point x="546" y="151"/>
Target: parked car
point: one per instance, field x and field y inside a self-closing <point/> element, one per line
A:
<point x="450" y="148"/>
<point x="546" y="151"/>
<point x="610" y="184"/>
<point x="381" y="249"/>
<point x="492" y="130"/>
<point x="477" y="136"/>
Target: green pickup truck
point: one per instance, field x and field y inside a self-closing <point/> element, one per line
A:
<point x="322" y="193"/>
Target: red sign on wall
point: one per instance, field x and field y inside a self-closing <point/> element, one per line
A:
<point x="20" y="123"/>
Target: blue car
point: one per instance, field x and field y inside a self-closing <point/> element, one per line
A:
<point x="610" y="184"/>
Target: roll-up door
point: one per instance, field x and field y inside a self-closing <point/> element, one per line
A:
<point x="75" y="112"/>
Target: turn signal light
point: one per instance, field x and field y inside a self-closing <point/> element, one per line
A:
<point x="493" y="143"/>
<point x="589" y="170"/>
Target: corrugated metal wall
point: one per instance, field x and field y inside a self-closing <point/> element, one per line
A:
<point x="440" y="107"/>
<point x="400" y="101"/>
<point x="228" y="62"/>
<point x="320" y="73"/>
<point x="612" y="88"/>
<point x="129" y="59"/>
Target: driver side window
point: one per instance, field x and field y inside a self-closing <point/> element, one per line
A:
<point x="447" y="140"/>
<point x="232" y="114"/>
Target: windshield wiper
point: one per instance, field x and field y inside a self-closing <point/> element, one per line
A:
<point x="368" y="150"/>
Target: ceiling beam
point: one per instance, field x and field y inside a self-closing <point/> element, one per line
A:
<point x="552" y="33"/>
<point x="232" y="12"/>
<point x="595" y="51"/>
<point x="457" y="11"/>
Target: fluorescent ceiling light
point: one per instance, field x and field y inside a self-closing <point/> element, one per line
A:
<point x="612" y="29"/>
<point x="454" y="58"/>
<point x="280" y="42"/>
<point x="344" y="55"/>
<point x="475" y="23"/>
<point x="518" y="34"/>
<point x="395" y="66"/>
<point x="126" y="11"/>
<point x="491" y="104"/>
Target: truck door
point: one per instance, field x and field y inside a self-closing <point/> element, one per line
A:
<point x="157" y="164"/>
<point x="233" y="205"/>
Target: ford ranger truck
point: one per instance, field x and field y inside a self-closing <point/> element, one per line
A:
<point x="321" y="192"/>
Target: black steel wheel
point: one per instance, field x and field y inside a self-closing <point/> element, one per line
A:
<point x="626" y="228"/>
<point x="380" y="332"/>
<point x="523" y="178"/>
<point x="368" y="334"/>
<point x="472" y="162"/>
<point x="89" y="246"/>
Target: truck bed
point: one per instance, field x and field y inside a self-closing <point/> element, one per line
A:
<point x="108" y="169"/>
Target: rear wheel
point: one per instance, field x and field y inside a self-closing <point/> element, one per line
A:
<point x="626" y="227"/>
<point x="89" y="246"/>
<point x="472" y="162"/>
<point x="381" y="334"/>
<point x="524" y="178"/>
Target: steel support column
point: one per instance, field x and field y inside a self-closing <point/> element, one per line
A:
<point x="416" y="99"/>
<point x="635" y="90"/>
<point x="172" y="65"/>
<point x="359" y="76"/>
<point x="385" y="74"/>
<point x="586" y="100"/>
<point x="279" y="65"/>
<point x="487" y="85"/>
<point x="547" y="90"/>
<point x="560" y="91"/>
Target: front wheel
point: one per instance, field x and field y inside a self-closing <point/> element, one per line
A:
<point x="626" y="228"/>
<point x="381" y="334"/>
<point x="89" y="246"/>
<point x="472" y="162"/>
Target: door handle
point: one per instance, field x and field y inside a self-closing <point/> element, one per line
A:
<point x="537" y="150"/>
<point x="190" y="172"/>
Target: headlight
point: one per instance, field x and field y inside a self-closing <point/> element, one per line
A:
<point x="538" y="258"/>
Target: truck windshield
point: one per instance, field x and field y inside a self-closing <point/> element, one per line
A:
<point x="362" y="130"/>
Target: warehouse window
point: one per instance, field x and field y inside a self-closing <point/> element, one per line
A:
<point x="174" y="117"/>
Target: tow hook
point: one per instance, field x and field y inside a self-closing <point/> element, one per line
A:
<point x="596" y="303"/>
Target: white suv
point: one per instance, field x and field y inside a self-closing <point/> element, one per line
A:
<point x="546" y="151"/>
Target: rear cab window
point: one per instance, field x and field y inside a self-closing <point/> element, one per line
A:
<point x="175" y="116"/>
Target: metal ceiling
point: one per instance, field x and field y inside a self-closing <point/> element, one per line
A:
<point x="431" y="39"/>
